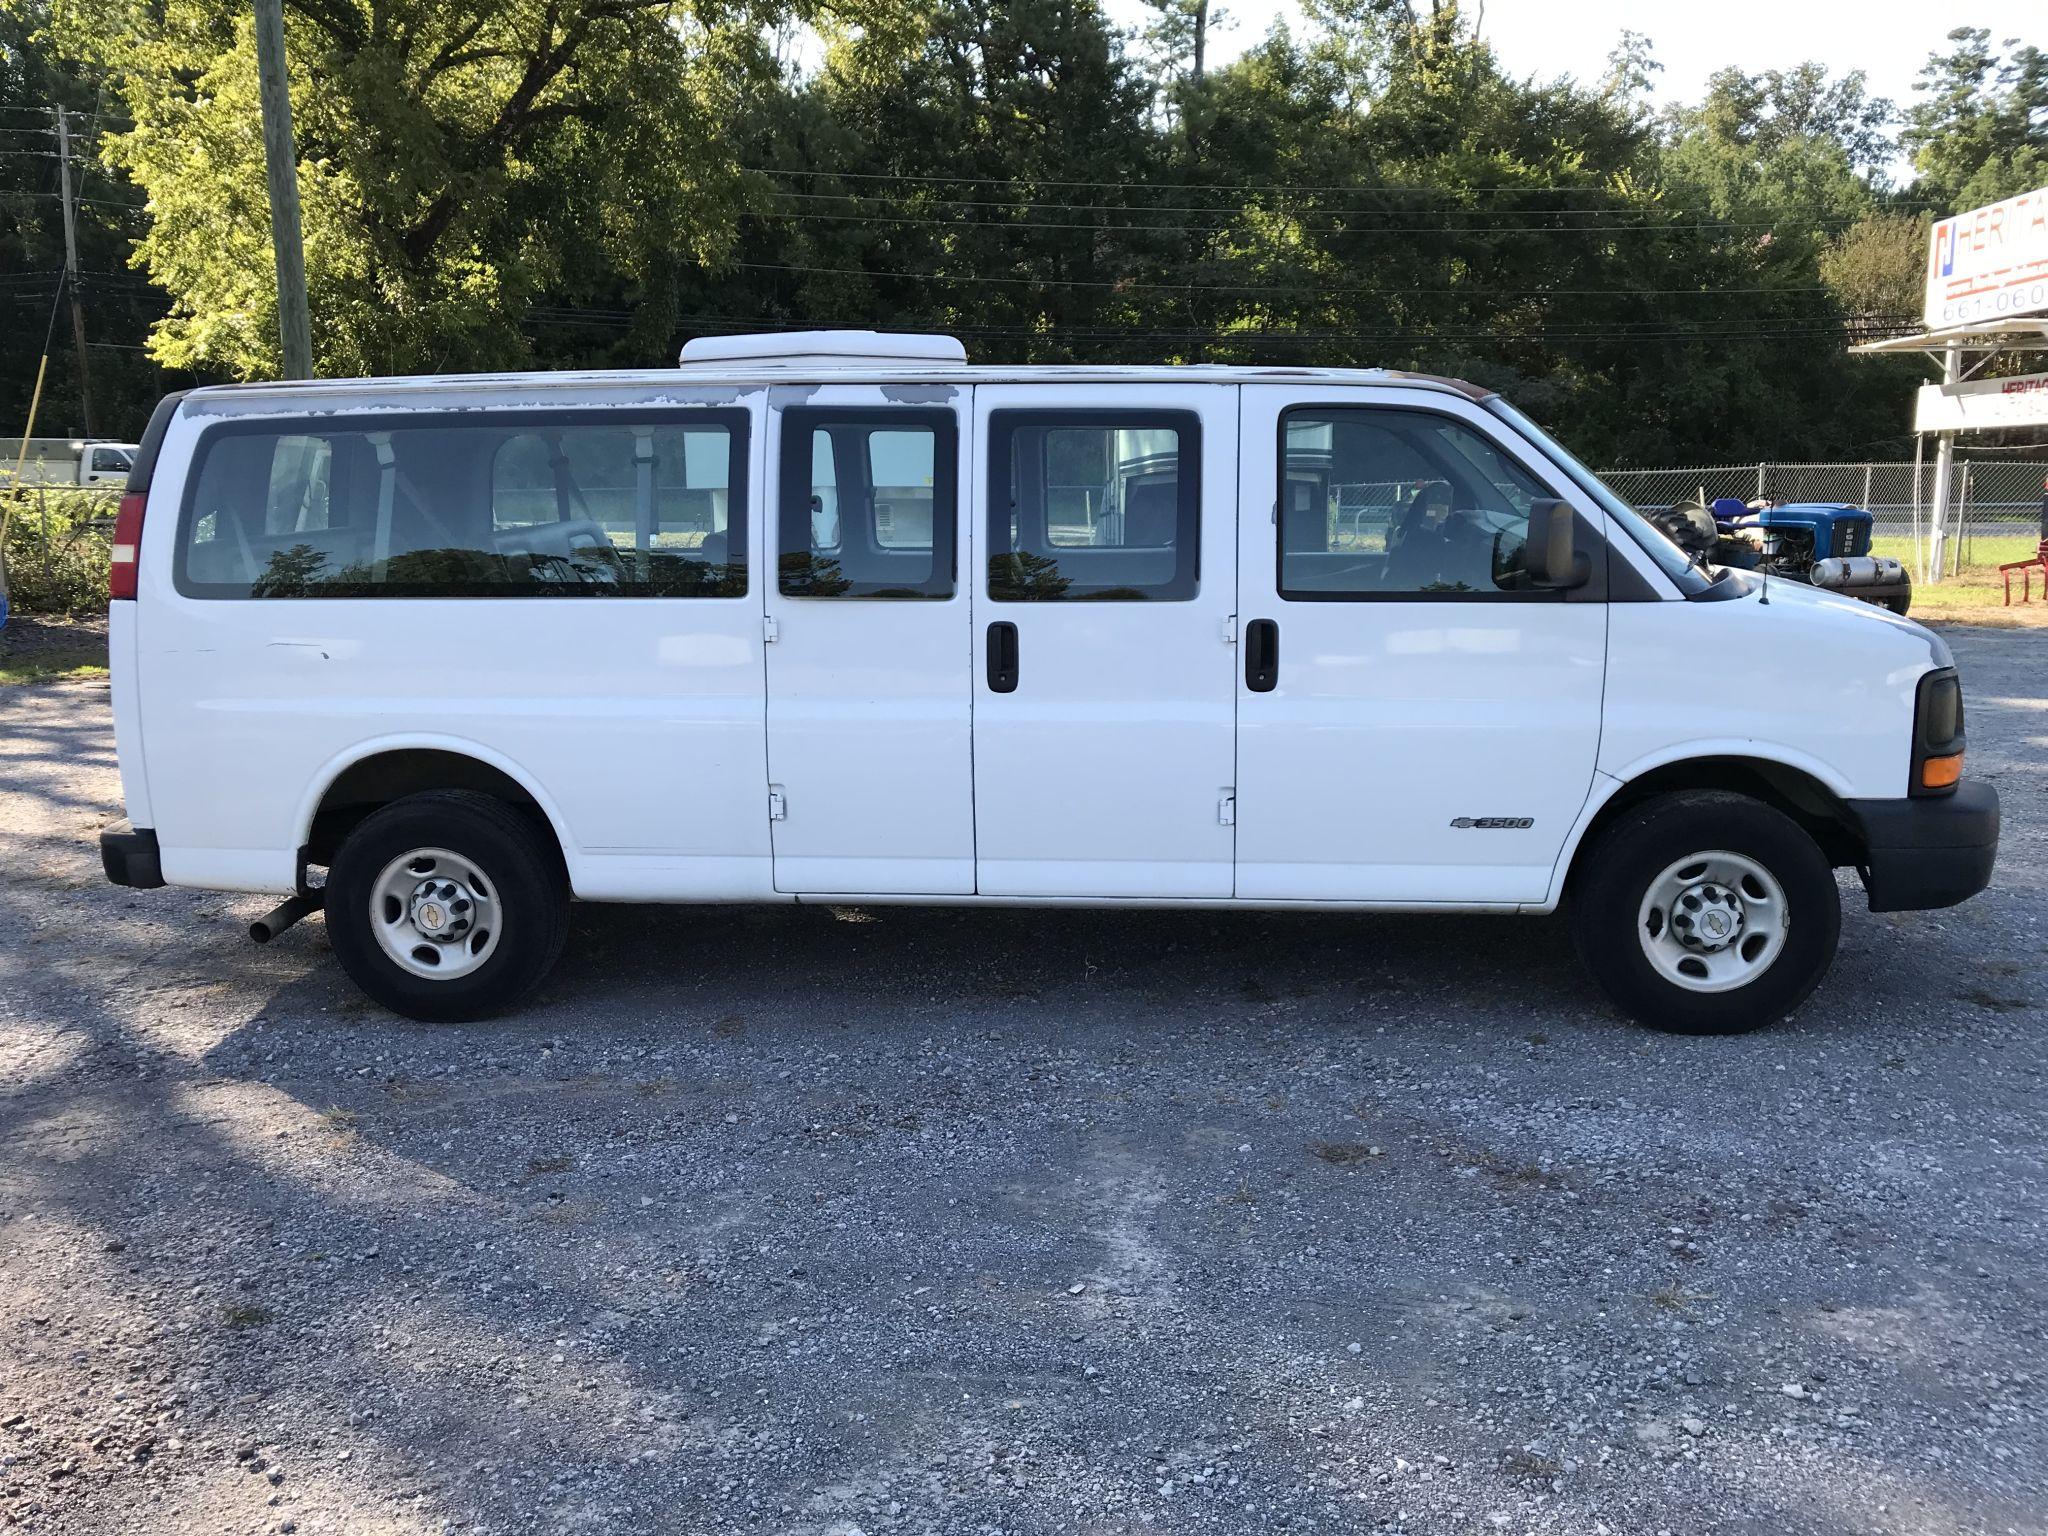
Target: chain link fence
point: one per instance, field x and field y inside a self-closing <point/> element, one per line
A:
<point x="1994" y="510"/>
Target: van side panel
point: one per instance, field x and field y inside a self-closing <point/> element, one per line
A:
<point x="640" y="719"/>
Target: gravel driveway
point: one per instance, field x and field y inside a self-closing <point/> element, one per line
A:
<point x="961" y="1222"/>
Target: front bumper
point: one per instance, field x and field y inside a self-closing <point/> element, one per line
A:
<point x="1928" y="853"/>
<point x="130" y="857"/>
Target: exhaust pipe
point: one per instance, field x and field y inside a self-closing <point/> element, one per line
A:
<point x="284" y="914"/>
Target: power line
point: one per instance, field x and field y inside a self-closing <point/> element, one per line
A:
<point x="1737" y="330"/>
<point x="1013" y="226"/>
<point x="1253" y="204"/>
<point x="1420" y="188"/>
<point x="1167" y="286"/>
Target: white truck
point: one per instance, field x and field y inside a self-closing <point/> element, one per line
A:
<point x="65" y="461"/>
<point x="840" y="618"/>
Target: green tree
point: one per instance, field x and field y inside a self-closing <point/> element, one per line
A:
<point x="1979" y="133"/>
<point x="118" y="305"/>
<point x="1877" y="266"/>
<point x="456" y="164"/>
<point x="1796" y="146"/>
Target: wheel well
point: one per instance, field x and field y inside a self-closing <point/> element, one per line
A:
<point x="374" y="782"/>
<point x="1799" y="795"/>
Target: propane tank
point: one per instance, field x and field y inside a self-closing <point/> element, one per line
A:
<point x="1858" y="571"/>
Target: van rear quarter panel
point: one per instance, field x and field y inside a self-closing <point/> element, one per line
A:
<point x="638" y="722"/>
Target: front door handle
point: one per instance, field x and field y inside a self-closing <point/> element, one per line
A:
<point x="1261" y="655"/>
<point x="1002" y="657"/>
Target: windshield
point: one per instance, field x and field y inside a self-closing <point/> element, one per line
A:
<point x="1672" y="560"/>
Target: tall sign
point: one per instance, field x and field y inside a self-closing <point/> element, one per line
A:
<point x="1983" y="405"/>
<point x="1990" y="263"/>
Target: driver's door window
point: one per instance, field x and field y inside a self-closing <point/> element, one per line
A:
<point x="1399" y="504"/>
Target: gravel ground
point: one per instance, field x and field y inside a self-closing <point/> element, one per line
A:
<point x="962" y="1222"/>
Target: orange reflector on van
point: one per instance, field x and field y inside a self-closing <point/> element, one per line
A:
<point x="1941" y="772"/>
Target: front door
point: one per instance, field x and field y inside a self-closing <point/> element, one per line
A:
<point x="869" y="759"/>
<point x="1416" y="723"/>
<point x="1103" y="715"/>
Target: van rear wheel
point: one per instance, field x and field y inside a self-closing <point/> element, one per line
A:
<point x="445" y="906"/>
<point x="1706" y="913"/>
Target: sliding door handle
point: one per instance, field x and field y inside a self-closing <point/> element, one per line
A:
<point x="1002" y="657"/>
<point x="1261" y="655"/>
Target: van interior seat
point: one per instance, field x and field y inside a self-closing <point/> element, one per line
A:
<point x="1151" y="509"/>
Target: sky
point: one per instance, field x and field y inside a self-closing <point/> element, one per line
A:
<point x="1888" y="39"/>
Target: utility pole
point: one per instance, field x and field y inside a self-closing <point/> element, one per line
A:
<point x="71" y="266"/>
<point x="281" y="162"/>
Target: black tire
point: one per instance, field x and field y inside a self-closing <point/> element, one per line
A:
<point x="1900" y="605"/>
<point x="518" y="859"/>
<point x="1613" y="880"/>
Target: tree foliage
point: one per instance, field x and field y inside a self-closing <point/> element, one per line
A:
<point x="459" y="164"/>
<point x="586" y="182"/>
<point x="1980" y="132"/>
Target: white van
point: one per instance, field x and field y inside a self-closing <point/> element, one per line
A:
<point x="839" y="618"/>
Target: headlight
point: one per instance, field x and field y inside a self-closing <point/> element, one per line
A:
<point x="1937" y="734"/>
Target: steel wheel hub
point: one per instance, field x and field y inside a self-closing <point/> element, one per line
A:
<point x="435" y="913"/>
<point x="1708" y="917"/>
<point x="1713" y="921"/>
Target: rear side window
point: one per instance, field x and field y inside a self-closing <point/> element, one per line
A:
<point x="868" y="502"/>
<point x="1399" y="504"/>
<point x="1094" y="504"/>
<point x="563" y="504"/>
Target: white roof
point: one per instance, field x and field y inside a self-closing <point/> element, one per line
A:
<point x="693" y="379"/>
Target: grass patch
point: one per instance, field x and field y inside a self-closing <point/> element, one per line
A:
<point x="1975" y="594"/>
<point x="244" y="1316"/>
<point x="1673" y="1297"/>
<point x="43" y="669"/>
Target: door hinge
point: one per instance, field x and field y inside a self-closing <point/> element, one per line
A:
<point x="1230" y="630"/>
<point x="1226" y="809"/>
<point x="770" y="630"/>
<point x="778" y="803"/>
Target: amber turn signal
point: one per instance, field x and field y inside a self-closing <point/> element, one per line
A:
<point x="1941" y="772"/>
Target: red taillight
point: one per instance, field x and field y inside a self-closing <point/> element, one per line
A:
<point x="127" y="541"/>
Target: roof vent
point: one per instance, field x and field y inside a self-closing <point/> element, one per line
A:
<point x="831" y="349"/>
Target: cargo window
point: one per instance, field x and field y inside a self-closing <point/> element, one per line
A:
<point x="868" y="508"/>
<point x="1399" y="504"/>
<point x="1094" y="504"/>
<point x="527" y="504"/>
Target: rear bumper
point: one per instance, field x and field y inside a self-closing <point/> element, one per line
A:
<point x="1928" y="853"/>
<point x="130" y="856"/>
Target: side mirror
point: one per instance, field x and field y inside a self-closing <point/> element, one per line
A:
<point x="1551" y="555"/>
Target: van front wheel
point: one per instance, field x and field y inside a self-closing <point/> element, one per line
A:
<point x="448" y="905"/>
<point x="1706" y="913"/>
